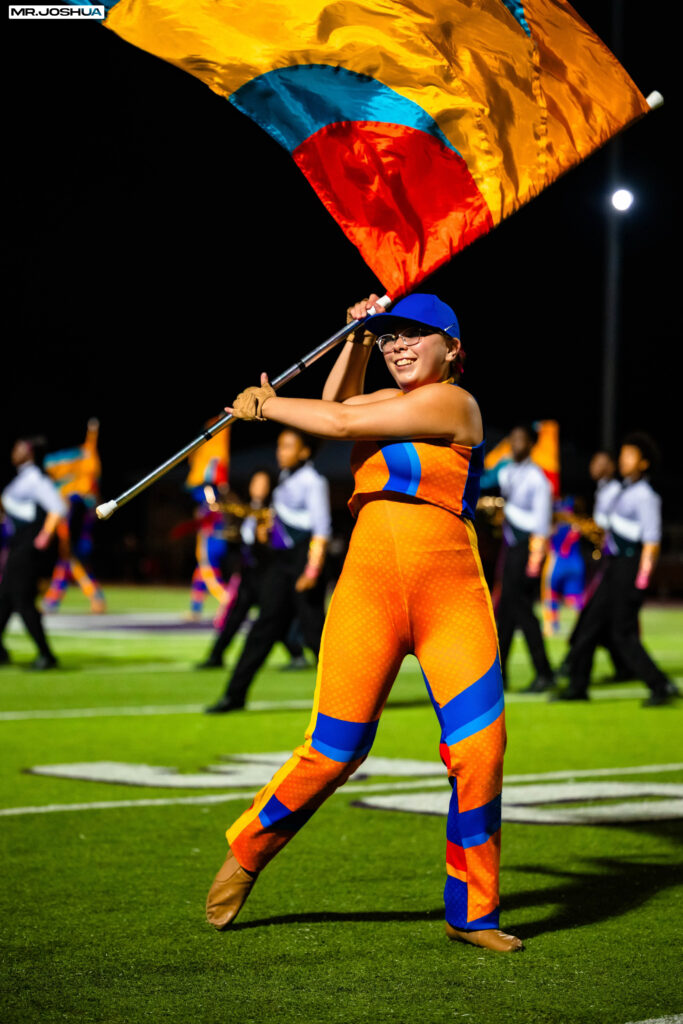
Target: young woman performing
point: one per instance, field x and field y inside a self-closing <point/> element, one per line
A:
<point x="412" y="583"/>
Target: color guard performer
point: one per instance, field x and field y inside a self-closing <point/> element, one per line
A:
<point x="412" y="582"/>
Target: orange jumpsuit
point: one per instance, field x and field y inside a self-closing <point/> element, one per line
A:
<point x="412" y="582"/>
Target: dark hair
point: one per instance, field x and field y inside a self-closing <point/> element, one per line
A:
<point x="604" y="451"/>
<point x="267" y="471"/>
<point x="38" y="446"/>
<point x="646" y="446"/>
<point x="307" y="440"/>
<point x="529" y="430"/>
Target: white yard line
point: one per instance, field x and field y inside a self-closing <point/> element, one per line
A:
<point x="152" y="709"/>
<point x="351" y="787"/>
<point x="675" y="1018"/>
<point x="635" y="692"/>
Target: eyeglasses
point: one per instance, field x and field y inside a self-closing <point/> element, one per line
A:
<point x="410" y="337"/>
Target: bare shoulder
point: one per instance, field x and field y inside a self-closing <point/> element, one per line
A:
<point x="463" y="411"/>
<point x="373" y="396"/>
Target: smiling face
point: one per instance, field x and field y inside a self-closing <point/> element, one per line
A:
<point x="428" y="361"/>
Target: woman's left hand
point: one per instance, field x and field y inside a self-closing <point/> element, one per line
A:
<point x="249" y="404"/>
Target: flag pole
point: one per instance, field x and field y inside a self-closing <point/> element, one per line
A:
<point x="105" y="510"/>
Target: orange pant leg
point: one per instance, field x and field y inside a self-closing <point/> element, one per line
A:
<point x="364" y="642"/>
<point x="412" y="581"/>
<point x="456" y="645"/>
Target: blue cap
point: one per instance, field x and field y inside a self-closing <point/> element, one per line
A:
<point x="416" y="308"/>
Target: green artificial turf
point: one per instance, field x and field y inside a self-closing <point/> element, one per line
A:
<point x="102" y="909"/>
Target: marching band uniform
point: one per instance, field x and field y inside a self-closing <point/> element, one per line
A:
<point x="27" y="502"/>
<point x="526" y="528"/>
<point x="631" y="513"/>
<point x="298" y="537"/>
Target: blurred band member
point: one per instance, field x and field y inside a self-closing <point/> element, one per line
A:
<point x="633" y="522"/>
<point x="526" y="528"/>
<point x="33" y="507"/>
<point x="603" y="471"/>
<point x="254" y="560"/>
<point x="291" y="586"/>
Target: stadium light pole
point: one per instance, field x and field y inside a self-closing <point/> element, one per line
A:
<point x="612" y="294"/>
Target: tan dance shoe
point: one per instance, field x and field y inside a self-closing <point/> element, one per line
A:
<point x="230" y="888"/>
<point x="489" y="938"/>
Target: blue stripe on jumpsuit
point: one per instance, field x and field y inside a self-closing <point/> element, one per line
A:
<point x="474" y="709"/>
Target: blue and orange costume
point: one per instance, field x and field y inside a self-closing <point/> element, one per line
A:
<point x="564" y="572"/>
<point x="76" y="473"/>
<point x="209" y="469"/>
<point x="413" y="583"/>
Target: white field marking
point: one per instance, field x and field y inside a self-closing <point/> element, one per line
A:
<point x="424" y="802"/>
<point x="152" y="709"/>
<point x="112" y="805"/>
<point x="60" y="622"/>
<point x="419" y="803"/>
<point x="256" y="770"/>
<point x="588" y="773"/>
<point x="207" y="798"/>
<point x="635" y="693"/>
<point x="247" y="771"/>
<point x="521" y="803"/>
<point x="676" y="1018"/>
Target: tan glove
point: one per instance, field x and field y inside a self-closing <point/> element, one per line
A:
<point x="249" y="404"/>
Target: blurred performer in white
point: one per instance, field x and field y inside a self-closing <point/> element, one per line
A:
<point x="526" y="528"/>
<point x="33" y="507"/>
<point x="633" y="520"/>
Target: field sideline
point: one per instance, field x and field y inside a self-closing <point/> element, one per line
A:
<point x="115" y="792"/>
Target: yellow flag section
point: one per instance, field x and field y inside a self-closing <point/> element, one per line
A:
<point x="420" y="125"/>
<point x="77" y="471"/>
<point x="210" y="463"/>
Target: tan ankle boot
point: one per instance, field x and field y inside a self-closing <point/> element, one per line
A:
<point x="230" y="888"/>
<point x="489" y="938"/>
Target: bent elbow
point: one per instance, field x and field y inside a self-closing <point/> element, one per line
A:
<point x="342" y="423"/>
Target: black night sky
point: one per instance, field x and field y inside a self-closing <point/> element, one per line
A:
<point x="164" y="250"/>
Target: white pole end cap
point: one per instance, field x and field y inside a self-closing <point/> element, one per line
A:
<point x="105" y="510"/>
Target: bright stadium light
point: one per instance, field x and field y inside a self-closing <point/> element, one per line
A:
<point x="622" y="199"/>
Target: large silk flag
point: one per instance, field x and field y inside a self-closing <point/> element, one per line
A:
<point x="420" y="125"/>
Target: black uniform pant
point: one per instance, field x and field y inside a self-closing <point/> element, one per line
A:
<point x="516" y="610"/>
<point x="280" y="603"/>
<point x="250" y="593"/>
<point x="19" y="590"/>
<point x="603" y="640"/>
<point x="613" y="609"/>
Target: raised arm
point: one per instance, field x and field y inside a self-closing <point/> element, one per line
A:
<point x="347" y="377"/>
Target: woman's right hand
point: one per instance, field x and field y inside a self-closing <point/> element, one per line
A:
<point x="360" y="310"/>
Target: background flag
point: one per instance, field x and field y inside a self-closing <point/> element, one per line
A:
<point x="77" y="471"/>
<point x="420" y="126"/>
<point x="210" y="464"/>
